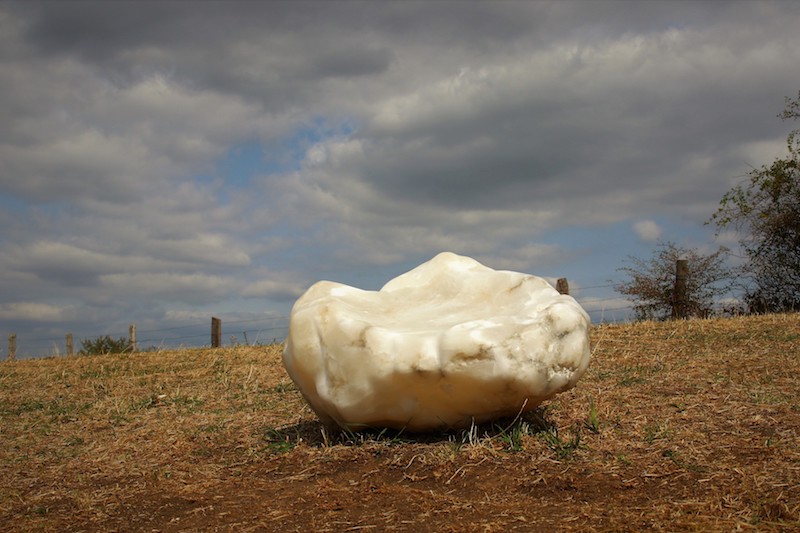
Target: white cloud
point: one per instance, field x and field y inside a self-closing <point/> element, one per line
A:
<point x="274" y="289"/>
<point x="647" y="230"/>
<point x="526" y="258"/>
<point x="34" y="311"/>
<point x="193" y="288"/>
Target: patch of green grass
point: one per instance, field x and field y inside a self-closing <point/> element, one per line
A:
<point x="455" y="447"/>
<point x="183" y="402"/>
<point x="284" y="387"/>
<point x="677" y="458"/>
<point x="771" y="440"/>
<point x="592" y="421"/>
<point x="767" y="397"/>
<point x="631" y="375"/>
<point x="141" y="404"/>
<point x="280" y="441"/>
<point x="217" y="427"/>
<point x="74" y="441"/>
<point x="563" y="448"/>
<point x="470" y="435"/>
<point x="637" y="374"/>
<point x="353" y="436"/>
<point x="719" y="377"/>
<point x="222" y="372"/>
<point x="657" y="431"/>
<point x="58" y="409"/>
<point x="512" y="436"/>
<point x="190" y="403"/>
<point x="598" y="375"/>
<point x="26" y="406"/>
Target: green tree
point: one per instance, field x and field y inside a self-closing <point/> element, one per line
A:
<point x="103" y="345"/>
<point x="766" y="212"/>
<point x="651" y="281"/>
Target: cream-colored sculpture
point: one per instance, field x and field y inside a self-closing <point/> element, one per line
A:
<point x="445" y="345"/>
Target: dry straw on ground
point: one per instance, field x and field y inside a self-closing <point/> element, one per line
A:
<point x="690" y="425"/>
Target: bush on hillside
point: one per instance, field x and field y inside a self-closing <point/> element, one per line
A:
<point x="103" y="345"/>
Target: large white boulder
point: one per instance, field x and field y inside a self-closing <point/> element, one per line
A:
<point x="444" y="345"/>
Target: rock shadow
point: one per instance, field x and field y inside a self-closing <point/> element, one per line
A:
<point x="315" y="434"/>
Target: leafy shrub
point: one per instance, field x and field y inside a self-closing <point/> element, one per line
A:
<point x="103" y="345"/>
<point x="652" y="281"/>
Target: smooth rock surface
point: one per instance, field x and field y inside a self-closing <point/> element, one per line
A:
<point x="444" y="345"/>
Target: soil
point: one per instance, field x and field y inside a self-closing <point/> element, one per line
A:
<point x="400" y="490"/>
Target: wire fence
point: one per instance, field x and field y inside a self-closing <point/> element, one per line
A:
<point x="274" y="328"/>
<point x="255" y="331"/>
<point x="261" y="331"/>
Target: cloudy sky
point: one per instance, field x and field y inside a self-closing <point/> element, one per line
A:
<point x="161" y="162"/>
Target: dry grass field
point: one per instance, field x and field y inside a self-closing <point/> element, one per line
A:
<point x="677" y="426"/>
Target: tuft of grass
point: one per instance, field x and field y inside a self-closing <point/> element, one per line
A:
<point x="592" y="422"/>
<point x="284" y="387"/>
<point x="632" y="375"/>
<point x="359" y="437"/>
<point x="562" y="448"/>
<point x="657" y="431"/>
<point x="280" y="442"/>
<point x="512" y="436"/>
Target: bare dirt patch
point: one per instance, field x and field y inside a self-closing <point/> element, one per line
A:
<point x="687" y="425"/>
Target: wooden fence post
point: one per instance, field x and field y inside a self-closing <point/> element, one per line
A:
<point x="216" y="332"/>
<point x="12" y="346"/>
<point x="70" y="345"/>
<point x="680" y="304"/>
<point x="562" y="286"/>
<point x="132" y="338"/>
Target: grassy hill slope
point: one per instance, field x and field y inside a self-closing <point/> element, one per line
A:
<point x="690" y="425"/>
